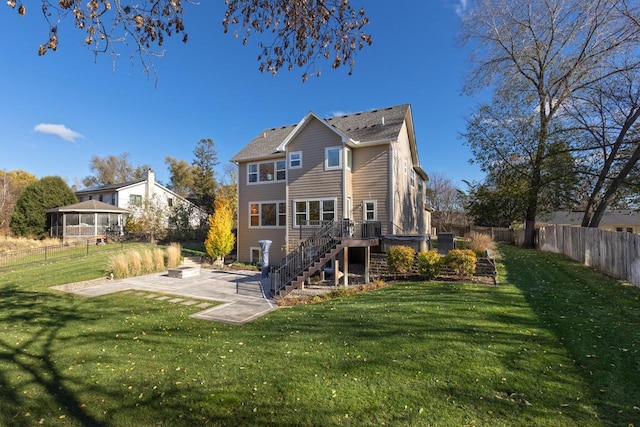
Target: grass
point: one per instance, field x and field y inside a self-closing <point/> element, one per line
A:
<point x="555" y="344"/>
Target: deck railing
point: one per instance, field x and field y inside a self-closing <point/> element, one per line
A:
<point x="318" y="238"/>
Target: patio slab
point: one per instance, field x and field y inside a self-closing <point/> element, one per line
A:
<point x="243" y="293"/>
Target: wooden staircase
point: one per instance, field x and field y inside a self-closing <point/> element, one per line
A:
<point x="316" y="266"/>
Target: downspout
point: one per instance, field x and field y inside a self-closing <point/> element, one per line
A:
<point x="344" y="181"/>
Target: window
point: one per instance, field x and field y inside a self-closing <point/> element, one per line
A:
<point x="295" y="160"/>
<point x="413" y="178"/>
<point x="405" y="168"/>
<point x="113" y="199"/>
<point x="170" y="202"/>
<point x="256" y="255"/>
<point x="267" y="214"/>
<point x="100" y="198"/>
<point x="629" y="230"/>
<point x="349" y="158"/>
<point x="332" y="158"/>
<point x="314" y="210"/>
<point x="369" y="210"/>
<point x="267" y="171"/>
<point x="420" y="184"/>
<point x="135" y="199"/>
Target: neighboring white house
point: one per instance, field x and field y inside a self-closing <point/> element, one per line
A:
<point x="126" y="194"/>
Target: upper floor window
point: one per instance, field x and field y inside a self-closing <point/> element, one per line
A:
<point x="349" y="155"/>
<point x="332" y="158"/>
<point x="267" y="214"/>
<point x="413" y="178"/>
<point x="135" y="199"/>
<point x="267" y="171"/>
<point x="295" y="160"/>
<point x="405" y="167"/>
<point x="420" y="184"/>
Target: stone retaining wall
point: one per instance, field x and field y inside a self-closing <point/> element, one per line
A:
<point x="485" y="267"/>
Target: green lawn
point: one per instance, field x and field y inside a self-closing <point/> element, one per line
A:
<point x="554" y="344"/>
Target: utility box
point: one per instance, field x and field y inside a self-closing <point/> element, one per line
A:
<point x="446" y="242"/>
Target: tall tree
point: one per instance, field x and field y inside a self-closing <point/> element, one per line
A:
<point x="113" y="170"/>
<point x="302" y="30"/>
<point x="180" y="176"/>
<point x="204" y="180"/>
<point x="29" y="217"/>
<point x="12" y="183"/>
<point x="608" y="115"/>
<point x="551" y="49"/>
<point x="445" y="199"/>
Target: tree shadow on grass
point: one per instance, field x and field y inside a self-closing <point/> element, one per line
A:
<point x="594" y="317"/>
<point x="36" y="319"/>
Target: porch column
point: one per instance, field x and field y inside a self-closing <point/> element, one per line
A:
<point x="367" y="262"/>
<point x="336" y="265"/>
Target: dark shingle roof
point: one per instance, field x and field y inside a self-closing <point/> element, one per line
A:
<point x="367" y="126"/>
<point x="102" y="188"/>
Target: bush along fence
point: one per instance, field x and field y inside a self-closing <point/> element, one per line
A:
<point x="485" y="267"/>
<point x="45" y="254"/>
<point x="614" y="253"/>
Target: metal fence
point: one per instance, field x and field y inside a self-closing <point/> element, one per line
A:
<point x="45" y="254"/>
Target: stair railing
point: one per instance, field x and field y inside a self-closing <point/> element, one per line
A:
<point x="302" y="257"/>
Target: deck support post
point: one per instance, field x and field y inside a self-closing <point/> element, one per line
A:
<point x="367" y="263"/>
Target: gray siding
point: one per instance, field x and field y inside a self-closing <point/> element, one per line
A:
<point x="249" y="237"/>
<point x="312" y="181"/>
<point x="371" y="181"/>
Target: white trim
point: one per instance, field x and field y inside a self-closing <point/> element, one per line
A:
<point x="294" y="221"/>
<point x="326" y="157"/>
<point x="348" y="153"/>
<point x="259" y="215"/>
<point x="365" y="210"/>
<point x="299" y="160"/>
<point x="275" y="179"/>
<point x="305" y="120"/>
<point x="255" y="248"/>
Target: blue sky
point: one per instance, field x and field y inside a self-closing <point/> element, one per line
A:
<point x="211" y="88"/>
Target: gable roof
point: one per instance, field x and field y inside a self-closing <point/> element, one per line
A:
<point x="88" y="206"/>
<point x="377" y="125"/>
<point x="102" y="188"/>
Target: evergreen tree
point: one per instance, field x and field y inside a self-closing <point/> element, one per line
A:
<point x="29" y="217"/>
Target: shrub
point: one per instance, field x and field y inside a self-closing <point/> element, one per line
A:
<point x="480" y="243"/>
<point x="119" y="266"/>
<point x="429" y="264"/>
<point x="158" y="259"/>
<point x="462" y="261"/>
<point x="135" y="263"/>
<point x="174" y="255"/>
<point x="400" y="259"/>
<point x="147" y="261"/>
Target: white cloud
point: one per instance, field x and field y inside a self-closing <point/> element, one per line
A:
<point x="60" y="130"/>
<point x="461" y="7"/>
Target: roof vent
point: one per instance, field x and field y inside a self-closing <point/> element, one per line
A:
<point x="382" y="120"/>
<point x="264" y="135"/>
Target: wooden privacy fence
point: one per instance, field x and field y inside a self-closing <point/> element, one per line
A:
<point x="614" y="253"/>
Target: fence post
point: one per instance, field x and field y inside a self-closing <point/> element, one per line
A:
<point x="45" y="254"/>
<point x="87" y="247"/>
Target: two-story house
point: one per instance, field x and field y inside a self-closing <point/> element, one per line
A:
<point x="363" y="167"/>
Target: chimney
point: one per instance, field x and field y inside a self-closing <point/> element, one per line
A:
<point x="151" y="183"/>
